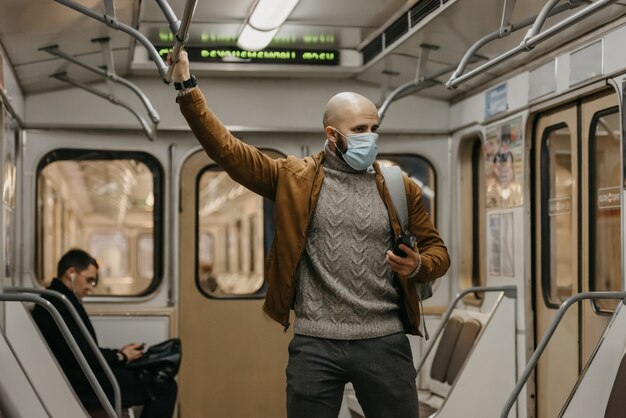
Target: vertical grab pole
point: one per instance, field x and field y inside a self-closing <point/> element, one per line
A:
<point x="181" y="37"/>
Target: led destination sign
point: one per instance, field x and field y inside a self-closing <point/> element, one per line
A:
<point x="266" y="56"/>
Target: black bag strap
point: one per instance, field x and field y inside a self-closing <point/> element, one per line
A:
<point x="395" y="185"/>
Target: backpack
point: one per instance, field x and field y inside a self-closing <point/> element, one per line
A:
<point x="395" y="185"/>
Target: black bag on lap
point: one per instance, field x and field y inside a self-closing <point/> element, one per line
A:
<point x="159" y="365"/>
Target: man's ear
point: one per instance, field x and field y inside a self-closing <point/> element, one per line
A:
<point x="331" y="133"/>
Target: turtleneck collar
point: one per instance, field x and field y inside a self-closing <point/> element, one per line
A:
<point x="334" y="162"/>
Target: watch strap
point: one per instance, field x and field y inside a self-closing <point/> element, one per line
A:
<point x="187" y="84"/>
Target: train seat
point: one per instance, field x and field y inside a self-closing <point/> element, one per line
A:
<point x="18" y="398"/>
<point x="39" y="364"/>
<point x="617" y="401"/>
<point x="42" y="368"/>
<point x="453" y="349"/>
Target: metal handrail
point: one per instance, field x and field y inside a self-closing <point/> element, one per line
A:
<point x="56" y="51"/>
<point x="149" y="130"/>
<point x="91" y="377"/>
<point x="169" y="15"/>
<point x="502" y="33"/>
<point x="509" y="291"/>
<point x="529" y="42"/>
<point x="117" y="25"/>
<point x="546" y="338"/>
<point x="410" y="88"/>
<point x="182" y="32"/>
<point x="83" y="329"/>
<point x="182" y="36"/>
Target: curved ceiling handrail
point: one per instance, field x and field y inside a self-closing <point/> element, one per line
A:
<point x="149" y="130"/>
<point x="179" y="28"/>
<point x="152" y="113"/>
<point x="420" y="81"/>
<point x="529" y="42"/>
<point x="112" y="22"/>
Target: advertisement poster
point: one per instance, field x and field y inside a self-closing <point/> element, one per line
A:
<point x="494" y="244"/>
<point x="507" y="266"/>
<point x="8" y="166"/>
<point x="8" y="181"/>
<point x="504" y="165"/>
<point x="501" y="251"/>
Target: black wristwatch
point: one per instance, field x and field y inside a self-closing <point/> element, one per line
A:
<point x="187" y="84"/>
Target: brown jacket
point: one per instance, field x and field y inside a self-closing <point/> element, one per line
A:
<point x="295" y="184"/>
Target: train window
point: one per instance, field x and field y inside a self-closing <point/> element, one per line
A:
<point x="557" y="182"/>
<point x="605" y="206"/>
<point x="420" y="171"/>
<point x="108" y="203"/>
<point x="472" y="177"/>
<point x="232" y="224"/>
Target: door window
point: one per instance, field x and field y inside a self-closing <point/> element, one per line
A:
<point x="557" y="189"/>
<point x="605" y="206"/>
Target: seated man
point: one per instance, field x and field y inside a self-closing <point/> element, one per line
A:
<point x="77" y="274"/>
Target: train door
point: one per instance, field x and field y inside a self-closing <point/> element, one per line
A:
<point x="236" y="364"/>
<point x="577" y="160"/>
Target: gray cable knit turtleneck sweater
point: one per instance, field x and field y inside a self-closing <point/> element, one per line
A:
<point x="344" y="285"/>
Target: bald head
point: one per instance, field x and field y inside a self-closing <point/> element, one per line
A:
<point x="345" y="105"/>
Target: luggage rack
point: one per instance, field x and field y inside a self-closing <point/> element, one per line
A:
<point x="533" y="37"/>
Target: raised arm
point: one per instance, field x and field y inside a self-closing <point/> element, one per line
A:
<point x="244" y="163"/>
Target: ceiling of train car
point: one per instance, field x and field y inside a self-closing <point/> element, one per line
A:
<point x="27" y="25"/>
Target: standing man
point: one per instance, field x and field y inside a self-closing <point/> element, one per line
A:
<point x="77" y="275"/>
<point x="331" y="259"/>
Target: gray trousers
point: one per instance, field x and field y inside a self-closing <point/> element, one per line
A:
<point x="380" y="369"/>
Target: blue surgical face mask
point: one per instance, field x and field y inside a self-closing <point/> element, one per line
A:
<point x="362" y="149"/>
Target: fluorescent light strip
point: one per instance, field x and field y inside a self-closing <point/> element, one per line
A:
<point x="251" y="39"/>
<point x="270" y="14"/>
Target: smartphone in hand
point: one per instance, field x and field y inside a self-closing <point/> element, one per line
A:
<point x="408" y="240"/>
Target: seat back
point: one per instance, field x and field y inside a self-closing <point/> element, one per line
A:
<point x="464" y="344"/>
<point x="18" y="398"/>
<point x="617" y="401"/>
<point x="40" y="365"/>
<point x="445" y="348"/>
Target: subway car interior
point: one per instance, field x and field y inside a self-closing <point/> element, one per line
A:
<point x="507" y="114"/>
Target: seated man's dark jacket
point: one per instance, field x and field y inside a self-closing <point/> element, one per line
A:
<point x="61" y="349"/>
